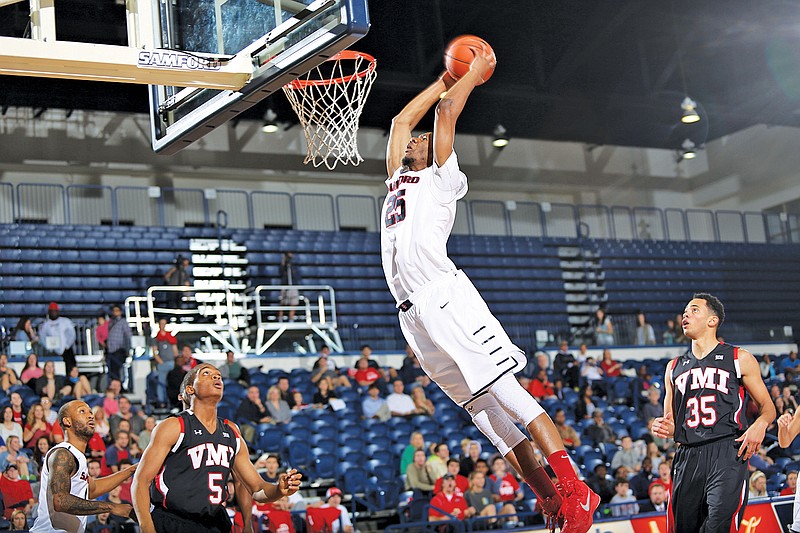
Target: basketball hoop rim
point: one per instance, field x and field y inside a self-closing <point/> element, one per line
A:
<point x="344" y="54"/>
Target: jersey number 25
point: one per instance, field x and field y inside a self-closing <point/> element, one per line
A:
<point x="395" y="208"/>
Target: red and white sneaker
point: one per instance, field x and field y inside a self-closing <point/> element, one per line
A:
<point x="552" y="508"/>
<point x="578" y="505"/>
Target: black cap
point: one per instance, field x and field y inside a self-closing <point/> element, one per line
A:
<point x="448" y="476"/>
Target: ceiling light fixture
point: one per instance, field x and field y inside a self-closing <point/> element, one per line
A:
<point x="270" y="123"/>
<point x="689" y="107"/>
<point x="689" y="114"/>
<point x="501" y="139"/>
<point x="688" y="150"/>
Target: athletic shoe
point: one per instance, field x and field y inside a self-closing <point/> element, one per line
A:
<point x="578" y="505"/>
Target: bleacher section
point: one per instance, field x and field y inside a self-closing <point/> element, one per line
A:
<point x="87" y="267"/>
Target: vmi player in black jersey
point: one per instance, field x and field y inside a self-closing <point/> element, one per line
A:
<point x="181" y="482"/>
<point x="704" y="412"/>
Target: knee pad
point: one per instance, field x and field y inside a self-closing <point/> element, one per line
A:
<point x="515" y="400"/>
<point x="493" y="422"/>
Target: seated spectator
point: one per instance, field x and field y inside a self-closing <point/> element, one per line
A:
<point x="447" y="504"/>
<point x="665" y="475"/>
<point x="411" y="372"/>
<point x="655" y="455"/>
<point x="51" y="385"/>
<point x="567" y="432"/>
<point x="540" y="386"/>
<point x="644" y="331"/>
<point x="505" y="487"/>
<point x="790" y="362"/>
<point x="467" y="463"/>
<point x="788" y="399"/>
<point x="285" y="391"/>
<point x="12" y="456"/>
<point x="36" y="426"/>
<point x="416" y="442"/>
<point x="599" y="432"/>
<point x="233" y="369"/>
<point x="640" y="483"/>
<point x="420" y="476"/>
<point x="657" y="502"/>
<point x="8" y="427"/>
<point x="103" y="524"/>
<point x="147" y="433"/>
<point x="668" y="337"/>
<point x="118" y="451"/>
<point x="628" y="456"/>
<point x="653" y="407"/>
<point x="624" y="502"/>
<point x="423" y="405"/>
<point x="39" y="452"/>
<point x="80" y="383"/>
<point x="791" y="483"/>
<point x="462" y="483"/>
<point x="50" y="414"/>
<point x="592" y="375"/>
<point x="366" y="375"/>
<point x="101" y="425"/>
<point x="269" y="466"/>
<point x="279" y="411"/>
<point x="174" y="380"/>
<point x="325" y="368"/>
<point x="601" y="483"/>
<point x="17" y="493"/>
<point x="17" y="408"/>
<point x="480" y="499"/>
<point x="333" y="500"/>
<point x="8" y="378"/>
<point x="585" y="406"/>
<point x="766" y="367"/>
<point x="400" y="403"/>
<point x="126" y="412"/>
<point x="439" y="458"/>
<point x="298" y="402"/>
<point x="19" y="521"/>
<point x="610" y="368"/>
<point x="24" y="332"/>
<point x="111" y="400"/>
<point x="565" y="366"/>
<point x="32" y="371"/>
<point x="758" y="485"/>
<point x="252" y="409"/>
<point x="373" y="406"/>
<point x="324" y="394"/>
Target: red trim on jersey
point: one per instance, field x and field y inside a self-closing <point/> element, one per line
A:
<point x="180" y="419"/>
<point x="741" y="407"/>
<point x="230" y="425"/>
<point x="735" y="352"/>
<point x="159" y="488"/>
<point x="736" y="518"/>
<point x="670" y="517"/>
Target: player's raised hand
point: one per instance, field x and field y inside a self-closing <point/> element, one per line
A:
<point x="484" y="62"/>
<point x="664" y="426"/>
<point x="289" y="482"/>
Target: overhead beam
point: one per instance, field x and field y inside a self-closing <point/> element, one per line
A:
<point x="9" y="2"/>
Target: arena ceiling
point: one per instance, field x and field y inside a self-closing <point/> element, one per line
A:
<point x="602" y="73"/>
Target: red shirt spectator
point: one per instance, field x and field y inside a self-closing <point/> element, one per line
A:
<point x="506" y="488"/>
<point x="366" y="375"/>
<point x="540" y="387"/>
<point x="462" y="485"/>
<point x="611" y="368"/>
<point x="448" y="501"/>
<point x="17" y="493"/>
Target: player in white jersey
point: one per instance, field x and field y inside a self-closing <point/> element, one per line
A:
<point x="788" y="429"/>
<point x="459" y="343"/>
<point x="67" y="492"/>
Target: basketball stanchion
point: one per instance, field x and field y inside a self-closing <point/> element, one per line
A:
<point x="328" y="101"/>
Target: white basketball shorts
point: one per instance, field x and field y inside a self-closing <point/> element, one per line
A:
<point x="458" y="342"/>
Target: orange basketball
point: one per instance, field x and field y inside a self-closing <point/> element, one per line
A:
<point x="459" y="55"/>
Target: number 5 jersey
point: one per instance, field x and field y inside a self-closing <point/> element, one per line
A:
<point x="707" y="396"/>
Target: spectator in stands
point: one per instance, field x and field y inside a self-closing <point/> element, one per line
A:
<point x="758" y="485"/>
<point x="766" y="367"/>
<point x="610" y="367"/>
<point x="680" y="338"/>
<point x="400" y="403"/>
<point x="298" y="403"/>
<point x="462" y="483"/>
<point x="438" y="460"/>
<point x="165" y="350"/>
<point x="177" y="276"/>
<point x="279" y="411"/>
<point x="423" y="405"/>
<point x="326" y="368"/>
<point x="126" y="412"/>
<point x="233" y="369"/>
<point x="101" y="330"/>
<point x="58" y="333"/>
<point x="35" y="426"/>
<point x="467" y="463"/>
<point x="147" y="433"/>
<point x="641" y="384"/>
<point x="416" y="442"/>
<point x="565" y="367"/>
<point x="174" y="379"/>
<point x="447" y="504"/>
<point x="24" y="332"/>
<point x="8" y="427"/>
<point x="411" y="372"/>
<point x="80" y="383"/>
<point x="285" y="392"/>
<point x="668" y="337"/>
<point x="654" y="454"/>
<point x="480" y="499"/>
<point x="791" y="484"/>
<point x="653" y="407"/>
<point x="333" y="498"/>
<point x="505" y="487"/>
<point x="567" y="432"/>
<point x="119" y="342"/>
<point x="420" y="475"/>
<point x="13" y="456"/>
<point x="481" y="465"/>
<point x="603" y="328"/>
<point x="324" y="393"/>
<point x="32" y="371"/>
<point x="252" y="410"/>
<point x="657" y="502"/>
<point x="788" y="398"/>
<point x="19" y="521"/>
<point x="592" y="375"/>
<point x="600" y="482"/>
<point x="640" y="483"/>
<point x="790" y="362"/>
<point x="624" y="502"/>
<point x="8" y="378"/>
<point x="111" y="401"/>
<point x="103" y="524"/>
<point x="271" y="469"/>
<point x="289" y="276"/>
<point x="365" y="375"/>
<point x="50" y="414"/>
<point x="585" y="406"/>
<point x="373" y="406"/>
<point x="118" y="451"/>
<point x="780" y="409"/>
<point x="39" y="453"/>
<point x="540" y="387"/>
<point x="599" y="432"/>
<point x="645" y="335"/>
<point x="17" y="493"/>
<point x="665" y="475"/>
<point x="627" y="456"/>
<point x="17" y="408"/>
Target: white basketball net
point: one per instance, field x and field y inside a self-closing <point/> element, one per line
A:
<point x="329" y="100"/>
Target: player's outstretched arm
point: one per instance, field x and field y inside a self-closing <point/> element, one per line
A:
<point x="62" y="466"/>
<point x="165" y="435"/>
<point x="103" y="485"/>
<point x="664" y="426"/>
<point x="405" y="121"/>
<point x="788" y="428"/>
<point x="262" y="491"/>
<point x="751" y="378"/>
<point x="449" y="109"/>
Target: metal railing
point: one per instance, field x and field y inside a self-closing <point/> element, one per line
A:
<point x="166" y="206"/>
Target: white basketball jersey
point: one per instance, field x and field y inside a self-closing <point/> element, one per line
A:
<point x="47" y="519"/>
<point x="418" y="216"/>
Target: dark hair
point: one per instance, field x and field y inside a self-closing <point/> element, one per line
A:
<point x="93" y="460"/>
<point x="453" y="460"/>
<point x="116" y="306"/>
<point x="430" y="161"/>
<point x="365" y="346"/>
<point x="275" y="456"/>
<point x="481" y="461"/>
<point x="621" y="480"/>
<point x="283" y="377"/>
<point x="714" y="304"/>
<point x="21" y="324"/>
<point x="438" y="447"/>
<point x="63" y="412"/>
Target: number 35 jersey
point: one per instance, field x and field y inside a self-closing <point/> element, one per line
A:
<point x="417" y="218"/>
<point x="193" y="481"/>
<point x="707" y="396"/>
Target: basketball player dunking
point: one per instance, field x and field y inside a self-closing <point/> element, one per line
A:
<point x="183" y="474"/>
<point x="459" y="343"/>
<point x="67" y="492"/>
<point x="704" y="411"/>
